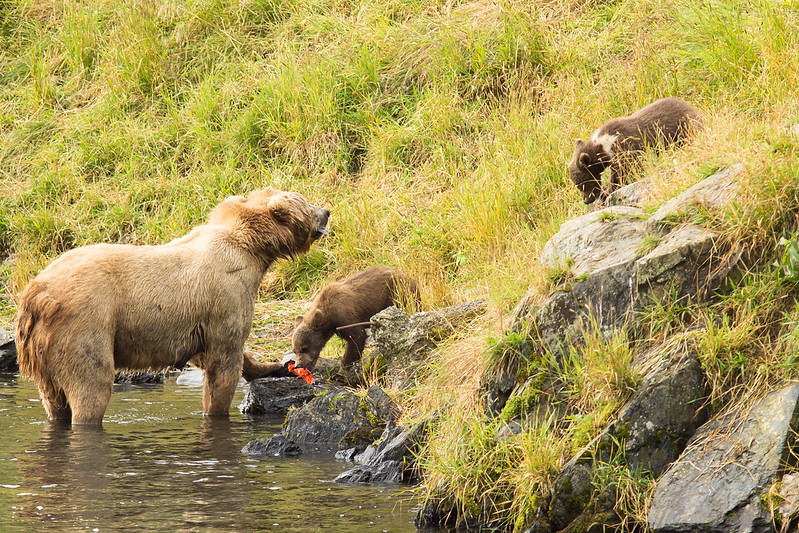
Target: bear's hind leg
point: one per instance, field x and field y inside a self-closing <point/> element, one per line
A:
<point x="90" y="400"/>
<point x="91" y="377"/>
<point x="55" y="403"/>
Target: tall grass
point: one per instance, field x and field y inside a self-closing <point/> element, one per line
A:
<point x="437" y="133"/>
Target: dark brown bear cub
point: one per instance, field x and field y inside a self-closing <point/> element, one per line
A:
<point x="342" y="303"/>
<point x="620" y="141"/>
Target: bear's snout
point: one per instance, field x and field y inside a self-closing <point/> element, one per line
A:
<point x="322" y="217"/>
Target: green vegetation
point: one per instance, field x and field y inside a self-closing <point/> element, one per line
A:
<point x="437" y="133"/>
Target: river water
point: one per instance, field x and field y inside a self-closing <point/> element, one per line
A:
<point x="158" y="465"/>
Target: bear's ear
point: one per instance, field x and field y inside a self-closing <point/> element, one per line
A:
<point x="279" y="207"/>
<point x="298" y="321"/>
<point x="585" y="160"/>
<point x="578" y="143"/>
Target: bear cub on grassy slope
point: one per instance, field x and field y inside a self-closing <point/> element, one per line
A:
<point x="354" y="300"/>
<point x="619" y="142"/>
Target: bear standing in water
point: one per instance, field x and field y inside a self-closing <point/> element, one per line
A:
<point x="104" y="307"/>
<point x="352" y="301"/>
<point x="619" y="142"/>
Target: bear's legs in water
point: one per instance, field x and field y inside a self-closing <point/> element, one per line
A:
<point x="56" y="405"/>
<point x="218" y="389"/>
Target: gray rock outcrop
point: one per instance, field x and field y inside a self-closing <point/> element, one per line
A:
<point x="718" y="482"/>
<point x="614" y="261"/>
<point x="390" y="460"/>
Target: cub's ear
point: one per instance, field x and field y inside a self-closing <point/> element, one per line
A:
<point x="578" y="143"/>
<point x="298" y="321"/>
<point x="585" y="160"/>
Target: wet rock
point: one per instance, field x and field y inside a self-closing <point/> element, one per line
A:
<point x="276" y="395"/>
<point x="8" y="352"/>
<point x="334" y="413"/>
<point x="717" y="483"/>
<point x="403" y="341"/>
<point x="390" y="461"/>
<point x="276" y="446"/>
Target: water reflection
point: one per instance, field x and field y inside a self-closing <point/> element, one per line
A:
<point x="157" y="464"/>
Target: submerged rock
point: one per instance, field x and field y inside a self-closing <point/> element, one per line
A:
<point x="276" y="446"/>
<point x="718" y="482"/>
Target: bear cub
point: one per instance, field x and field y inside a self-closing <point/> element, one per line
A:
<point x="619" y="142"/>
<point x="351" y="301"/>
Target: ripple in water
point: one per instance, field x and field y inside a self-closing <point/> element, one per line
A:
<point x="158" y="464"/>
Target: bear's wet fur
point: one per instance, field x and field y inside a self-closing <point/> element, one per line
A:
<point x="619" y="142"/>
<point x="354" y="300"/>
<point x="105" y="307"/>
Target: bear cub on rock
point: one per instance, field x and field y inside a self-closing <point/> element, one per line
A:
<point x="619" y="142"/>
<point x="352" y="301"/>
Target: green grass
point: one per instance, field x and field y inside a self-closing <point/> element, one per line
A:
<point x="437" y="133"/>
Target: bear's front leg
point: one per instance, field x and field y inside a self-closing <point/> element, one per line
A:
<point x="218" y="388"/>
<point x="356" y="340"/>
<point x="254" y="369"/>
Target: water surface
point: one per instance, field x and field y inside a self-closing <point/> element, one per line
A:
<point x="158" y="465"/>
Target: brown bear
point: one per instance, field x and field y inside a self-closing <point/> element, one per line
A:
<point x="100" y="308"/>
<point x="343" y="303"/>
<point x="619" y="142"/>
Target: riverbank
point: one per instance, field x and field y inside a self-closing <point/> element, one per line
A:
<point x="438" y="135"/>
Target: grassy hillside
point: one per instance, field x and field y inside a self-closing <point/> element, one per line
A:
<point x="437" y="133"/>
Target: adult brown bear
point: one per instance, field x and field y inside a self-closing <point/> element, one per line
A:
<point x="105" y="307"/>
<point x="619" y="143"/>
<point x="344" y="303"/>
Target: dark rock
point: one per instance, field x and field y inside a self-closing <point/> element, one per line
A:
<point x="347" y="455"/>
<point x="276" y="395"/>
<point x="495" y="389"/>
<point x="334" y="413"/>
<point x="358" y="475"/>
<point x="437" y="514"/>
<point x="8" y="353"/>
<point x="718" y="482"/>
<point x="572" y="493"/>
<point x="654" y="426"/>
<point x="649" y="433"/>
<point x="599" y="516"/>
<point x="359" y="438"/>
<point x="277" y="446"/>
<point x="391" y="460"/>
